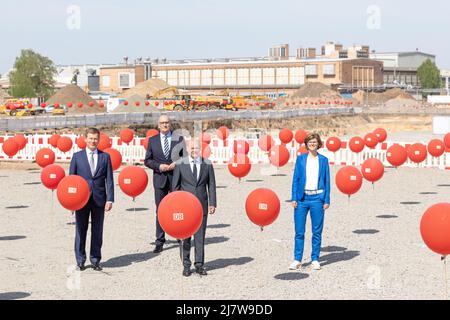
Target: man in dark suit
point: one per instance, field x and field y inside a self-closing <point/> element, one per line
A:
<point x="196" y="175"/>
<point x="95" y="167"/>
<point x="163" y="151"/>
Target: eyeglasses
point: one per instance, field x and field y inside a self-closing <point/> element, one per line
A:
<point x="167" y="122"/>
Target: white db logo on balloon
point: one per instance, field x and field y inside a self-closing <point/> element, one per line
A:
<point x="353" y="178"/>
<point x="52" y="176"/>
<point x="127" y="181"/>
<point x="178" y="216"/>
<point x="262" y="206"/>
<point x="72" y="190"/>
<point x="46" y="156"/>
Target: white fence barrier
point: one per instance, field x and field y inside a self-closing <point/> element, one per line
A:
<point x="222" y="152"/>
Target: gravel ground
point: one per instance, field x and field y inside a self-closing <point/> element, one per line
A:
<point x="372" y="248"/>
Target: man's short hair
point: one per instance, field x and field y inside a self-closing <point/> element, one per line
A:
<point x="93" y="131"/>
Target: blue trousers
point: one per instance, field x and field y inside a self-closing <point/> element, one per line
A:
<point x="97" y="215"/>
<point x="314" y="205"/>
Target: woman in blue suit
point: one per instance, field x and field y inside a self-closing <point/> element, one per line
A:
<point x="310" y="192"/>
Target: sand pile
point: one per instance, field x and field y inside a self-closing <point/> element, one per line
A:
<point x="74" y="94"/>
<point x="382" y="97"/>
<point x="150" y="88"/>
<point x="131" y="106"/>
<point x="316" y="90"/>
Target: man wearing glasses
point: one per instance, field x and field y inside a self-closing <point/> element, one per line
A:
<point x="163" y="151"/>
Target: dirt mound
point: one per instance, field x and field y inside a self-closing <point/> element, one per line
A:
<point x="382" y="97"/>
<point x="316" y="90"/>
<point x="74" y="94"/>
<point x="132" y="107"/>
<point x="150" y="88"/>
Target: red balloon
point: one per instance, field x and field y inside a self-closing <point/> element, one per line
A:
<point x="349" y="180"/>
<point x="286" y="135"/>
<point x="333" y="144"/>
<point x="56" y="105"/>
<point x="223" y="133"/>
<point x="145" y="143"/>
<point x="239" y="166"/>
<point x="180" y="214"/>
<point x="241" y="147"/>
<point x="205" y="151"/>
<point x="356" y="144"/>
<point x="372" y="170"/>
<point x="10" y="147"/>
<point x="279" y="156"/>
<point x="436" y="148"/>
<point x="125" y="103"/>
<point x="21" y="141"/>
<point x="80" y="104"/>
<point x="265" y="143"/>
<point x="371" y="140"/>
<point x="147" y="103"/>
<point x="51" y="175"/>
<point x="396" y="155"/>
<point x="447" y="140"/>
<point x="300" y="136"/>
<point x="116" y="158"/>
<point x="157" y="103"/>
<point x="127" y="135"/>
<point x="64" y="144"/>
<point x="417" y="153"/>
<point x="152" y="132"/>
<point x="43" y="105"/>
<point x="53" y="140"/>
<point x="105" y="142"/>
<point x="205" y="138"/>
<point x="91" y="104"/>
<point x="133" y="181"/>
<point x="137" y="103"/>
<point x="70" y="105"/>
<point x="101" y="104"/>
<point x="81" y="142"/>
<point x="262" y="207"/>
<point x="45" y="157"/>
<point x="381" y="134"/>
<point x="73" y="192"/>
<point x="30" y="106"/>
<point x="434" y="228"/>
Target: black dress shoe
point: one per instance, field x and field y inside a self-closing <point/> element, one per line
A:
<point x="201" y="271"/>
<point x="97" y="267"/>
<point x="158" y="249"/>
<point x="187" y="272"/>
<point x="81" y="267"/>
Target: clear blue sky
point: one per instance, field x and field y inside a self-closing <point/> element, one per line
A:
<point x="111" y="29"/>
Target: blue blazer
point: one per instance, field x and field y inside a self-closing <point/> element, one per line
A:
<point x="102" y="183"/>
<point x="299" y="180"/>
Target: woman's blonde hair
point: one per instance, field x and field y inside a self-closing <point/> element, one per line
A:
<point x="312" y="136"/>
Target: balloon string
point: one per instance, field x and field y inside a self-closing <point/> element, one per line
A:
<point x="445" y="277"/>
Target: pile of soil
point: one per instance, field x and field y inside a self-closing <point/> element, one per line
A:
<point x="150" y="88"/>
<point x="382" y="97"/>
<point x="74" y="94"/>
<point x="316" y="90"/>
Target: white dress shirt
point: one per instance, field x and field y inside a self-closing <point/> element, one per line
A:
<point x="88" y="153"/>
<point x="169" y="138"/>
<point x="312" y="173"/>
<point x="197" y="162"/>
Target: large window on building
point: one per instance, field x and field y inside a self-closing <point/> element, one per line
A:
<point x="195" y="77"/>
<point x="329" y="69"/>
<point x="206" y="77"/>
<point x="282" y="76"/>
<point x="311" y="70"/>
<point x="256" y="76"/>
<point x="230" y="76"/>
<point x="219" y="77"/>
<point x="297" y="76"/>
<point x="268" y="76"/>
<point x="106" y="81"/>
<point x="183" y="77"/>
<point x="243" y="76"/>
<point x="162" y="75"/>
<point x="172" y="77"/>
<point x="124" y="80"/>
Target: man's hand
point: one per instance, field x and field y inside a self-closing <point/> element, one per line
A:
<point x="326" y="206"/>
<point x="108" y="206"/>
<point x="164" y="167"/>
<point x="294" y="204"/>
<point x="211" y="210"/>
<point x="172" y="166"/>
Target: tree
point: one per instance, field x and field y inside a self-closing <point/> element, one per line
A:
<point x="32" y="76"/>
<point x="429" y="75"/>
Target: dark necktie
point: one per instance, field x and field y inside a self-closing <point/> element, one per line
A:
<point x="194" y="170"/>
<point x="166" y="147"/>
